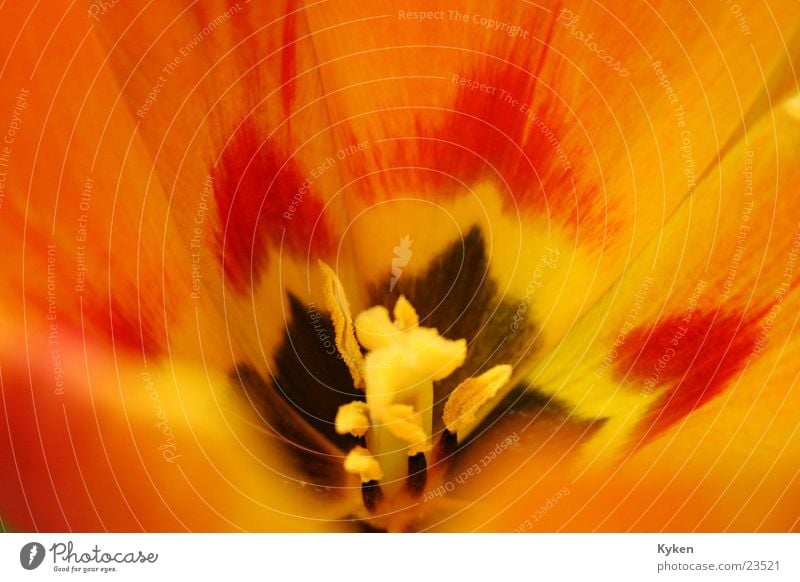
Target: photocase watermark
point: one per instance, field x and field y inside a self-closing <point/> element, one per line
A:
<point x="169" y="448"/>
<point x="569" y="20"/>
<point x="31" y="555"/>
<point x="507" y="98"/>
<point x="317" y="172"/>
<point x="169" y="69"/>
<point x="744" y="227"/>
<point x="547" y="261"/>
<point x="543" y="510"/>
<point x="783" y="289"/>
<point x="678" y="112"/>
<point x="100" y="8"/>
<point x="53" y="339"/>
<point x="512" y="30"/>
<point x="674" y="344"/>
<point x="82" y="236"/>
<point x="66" y="558"/>
<point x="741" y="20"/>
<point x="195" y="244"/>
<point x="328" y="342"/>
<point x="627" y="327"/>
<point x="10" y="136"/>
<point x="486" y="22"/>
<point x="474" y="469"/>
<point x="402" y="256"/>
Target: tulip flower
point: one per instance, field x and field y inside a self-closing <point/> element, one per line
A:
<point x="399" y="266"/>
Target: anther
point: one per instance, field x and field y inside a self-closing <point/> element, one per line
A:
<point x="371" y="495"/>
<point x="417" y="474"/>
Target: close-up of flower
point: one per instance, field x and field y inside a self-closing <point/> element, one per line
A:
<point x="400" y="266"/>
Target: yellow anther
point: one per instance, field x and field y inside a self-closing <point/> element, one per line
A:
<point x="360" y="462"/>
<point x="353" y="418"/>
<point x="464" y="402"/>
<point x="337" y="304"/>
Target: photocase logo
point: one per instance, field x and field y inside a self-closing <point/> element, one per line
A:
<point x="402" y="254"/>
<point x="31" y="555"/>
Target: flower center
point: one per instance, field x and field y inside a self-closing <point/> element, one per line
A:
<point x="402" y="360"/>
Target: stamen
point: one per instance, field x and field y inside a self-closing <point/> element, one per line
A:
<point x="417" y="474"/>
<point x="353" y="418"/>
<point x="359" y="461"/>
<point x="464" y="402"/>
<point x="447" y="446"/>
<point x="371" y="495"/>
<point x="402" y="362"/>
<point x="346" y="343"/>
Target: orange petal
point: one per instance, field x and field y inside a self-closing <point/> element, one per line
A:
<point x="685" y="369"/>
<point x="110" y="444"/>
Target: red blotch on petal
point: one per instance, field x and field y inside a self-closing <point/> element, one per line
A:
<point x="289" y="56"/>
<point x="262" y="198"/>
<point x="697" y="356"/>
<point x="510" y="129"/>
<point x="128" y="321"/>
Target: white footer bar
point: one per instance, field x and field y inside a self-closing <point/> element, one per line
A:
<point x="400" y="557"/>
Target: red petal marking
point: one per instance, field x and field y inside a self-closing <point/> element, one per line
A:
<point x="121" y="323"/>
<point x="255" y="189"/>
<point x="289" y="56"/>
<point x="133" y="323"/>
<point x="699" y="357"/>
<point x="519" y="150"/>
<point x="495" y="130"/>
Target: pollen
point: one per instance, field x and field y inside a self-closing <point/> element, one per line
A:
<point x="346" y="343"/>
<point x="471" y="395"/>
<point x="353" y="418"/>
<point x="359" y="461"/>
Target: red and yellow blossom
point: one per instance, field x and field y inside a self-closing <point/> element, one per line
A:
<point x="341" y="266"/>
